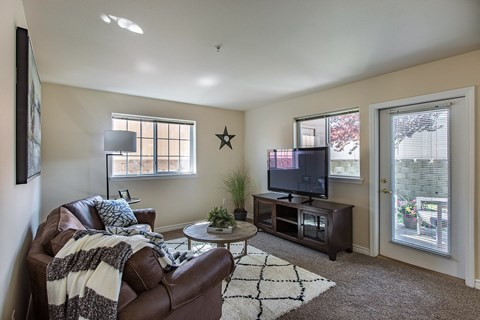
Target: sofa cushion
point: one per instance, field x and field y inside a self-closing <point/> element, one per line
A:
<point x="86" y="212"/>
<point x="143" y="270"/>
<point x="186" y="283"/>
<point x="68" y="221"/>
<point x="115" y="213"/>
<point x="60" y="240"/>
<point x="50" y="230"/>
<point x="125" y="296"/>
<point x="146" y="215"/>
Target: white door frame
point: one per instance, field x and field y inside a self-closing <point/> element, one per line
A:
<point x="374" y="153"/>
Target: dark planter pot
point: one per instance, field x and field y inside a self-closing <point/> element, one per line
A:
<point x="409" y="222"/>
<point x="240" y="215"/>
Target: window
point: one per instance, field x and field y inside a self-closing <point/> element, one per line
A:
<point x="308" y="137"/>
<point x="164" y="146"/>
<point x="341" y="132"/>
<point x="282" y="159"/>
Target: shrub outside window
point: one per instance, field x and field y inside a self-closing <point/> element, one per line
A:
<point x="341" y="132"/>
<point x="164" y="146"/>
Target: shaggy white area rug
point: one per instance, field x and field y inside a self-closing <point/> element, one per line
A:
<point x="262" y="286"/>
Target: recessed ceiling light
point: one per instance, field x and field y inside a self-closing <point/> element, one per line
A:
<point x="146" y="67"/>
<point x="105" y="18"/>
<point x="135" y="28"/>
<point x="123" y="23"/>
<point x="208" y="81"/>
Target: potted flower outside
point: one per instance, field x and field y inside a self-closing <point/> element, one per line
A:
<point x="408" y="210"/>
<point x="238" y="183"/>
<point x="220" y="221"/>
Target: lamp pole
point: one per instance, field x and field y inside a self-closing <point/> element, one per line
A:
<point x="108" y="178"/>
<point x="106" y="168"/>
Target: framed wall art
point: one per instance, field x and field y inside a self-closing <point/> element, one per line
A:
<point x="28" y="95"/>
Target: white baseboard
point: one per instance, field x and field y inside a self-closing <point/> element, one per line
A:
<point x="477" y="284"/>
<point x="175" y="226"/>
<point x="29" y="308"/>
<point x="366" y="251"/>
<point x="182" y="225"/>
<point x="360" y="249"/>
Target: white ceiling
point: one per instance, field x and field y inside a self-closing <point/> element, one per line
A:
<point x="271" y="49"/>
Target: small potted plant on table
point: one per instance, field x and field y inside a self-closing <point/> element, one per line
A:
<point x="220" y="221"/>
<point x="237" y="183"/>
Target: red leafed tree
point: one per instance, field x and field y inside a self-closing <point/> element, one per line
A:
<point x="344" y="129"/>
<point x="405" y="126"/>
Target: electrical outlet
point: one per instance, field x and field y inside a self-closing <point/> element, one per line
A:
<point x="223" y="201"/>
<point x="13" y="315"/>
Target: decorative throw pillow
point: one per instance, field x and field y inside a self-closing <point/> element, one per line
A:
<point x="115" y="213"/>
<point x="69" y="221"/>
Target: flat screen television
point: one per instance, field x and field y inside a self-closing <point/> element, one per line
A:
<point x="302" y="171"/>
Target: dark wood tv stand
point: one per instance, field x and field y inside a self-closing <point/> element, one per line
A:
<point x="322" y="225"/>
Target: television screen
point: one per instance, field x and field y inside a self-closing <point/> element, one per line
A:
<point x="301" y="171"/>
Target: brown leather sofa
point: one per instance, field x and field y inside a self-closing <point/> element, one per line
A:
<point x="191" y="291"/>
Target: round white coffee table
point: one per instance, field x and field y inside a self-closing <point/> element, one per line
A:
<point x="242" y="232"/>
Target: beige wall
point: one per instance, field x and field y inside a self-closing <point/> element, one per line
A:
<point x="73" y="165"/>
<point x="19" y="205"/>
<point x="455" y="72"/>
<point x="74" y="161"/>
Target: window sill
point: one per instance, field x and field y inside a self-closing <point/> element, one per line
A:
<point x="154" y="177"/>
<point x="345" y="179"/>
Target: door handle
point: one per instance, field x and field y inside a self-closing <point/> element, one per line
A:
<point x="385" y="190"/>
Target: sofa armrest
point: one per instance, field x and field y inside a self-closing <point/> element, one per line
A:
<point x="37" y="263"/>
<point x="146" y="216"/>
<point x="197" y="276"/>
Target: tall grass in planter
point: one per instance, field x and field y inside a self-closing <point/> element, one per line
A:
<point x="238" y="183"/>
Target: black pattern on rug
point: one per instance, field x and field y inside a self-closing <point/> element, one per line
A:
<point x="262" y="285"/>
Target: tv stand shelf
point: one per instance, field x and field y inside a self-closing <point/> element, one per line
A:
<point x="292" y="221"/>
<point x="322" y="225"/>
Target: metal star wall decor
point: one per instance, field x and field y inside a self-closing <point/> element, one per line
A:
<point x="225" y="138"/>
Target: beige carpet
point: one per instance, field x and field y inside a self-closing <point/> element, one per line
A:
<point x="371" y="288"/>
<point x="262" y="286"/>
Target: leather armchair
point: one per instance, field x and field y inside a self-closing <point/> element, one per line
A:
<point x="146" y="292"/>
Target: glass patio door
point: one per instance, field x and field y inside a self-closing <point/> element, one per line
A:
<point x="420" y="208"/>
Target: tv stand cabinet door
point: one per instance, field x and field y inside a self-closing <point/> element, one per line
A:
<point x="264" y="214"/>
<point x="314" y="228"/>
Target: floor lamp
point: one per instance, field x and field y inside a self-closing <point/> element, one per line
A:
<point x="117" y="141"/>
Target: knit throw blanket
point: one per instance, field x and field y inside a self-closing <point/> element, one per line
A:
<point x="168" y="260"/>
<point x="84" y="278"/>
